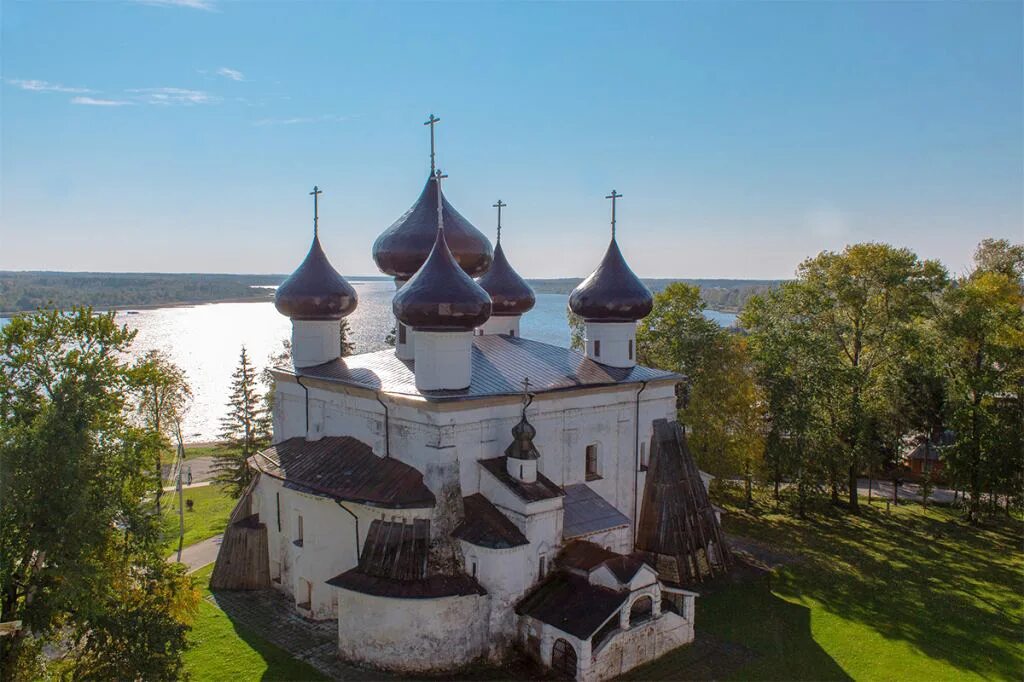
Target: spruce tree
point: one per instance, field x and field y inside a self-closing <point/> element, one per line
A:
<point x="245" y="429"/>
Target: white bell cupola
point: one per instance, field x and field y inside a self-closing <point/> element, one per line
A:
<point x="611" y="301"/>
<point x="316" y="298"/>
<point x="521" y="456"/>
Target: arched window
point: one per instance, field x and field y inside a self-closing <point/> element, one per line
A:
<point x="563" y="659"/>
<point x="642" y="609"/>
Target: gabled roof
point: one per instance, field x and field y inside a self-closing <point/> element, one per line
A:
<point x="572" y="604"/>
<point x="344" y="468"/>
<point x="581" y="555"/>
<point x="542" y="489"/>
<point x="500" y="363"/>
<point x="586" y="512"/>
<point x="485" y="526"/>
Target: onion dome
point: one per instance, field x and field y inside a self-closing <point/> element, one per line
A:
<point x="315" y="291"/>
<point x="441" y="296"/>
<point x="612" y="293"/>
<point x="510" y="294"/>
<point x="402" y="248"/>
<point x="522" y="446"/>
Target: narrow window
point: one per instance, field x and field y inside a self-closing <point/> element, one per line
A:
<point x="278" y="512"/>
<point x="472" y="567"/>
<point x="520" y="472"/>
<point x="592" y="471"/>
<point x="299" y="532"/>
<point x="542" y="566"/>
<point x="631" y="349"/>
<point x="597" y="348"/>
<point x="643" y="456"/>
<point x="511" y="332"/>
<point x="401" y="333"/>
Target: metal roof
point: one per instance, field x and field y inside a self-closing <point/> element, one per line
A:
<point x="586" y="512"/>
<point x="485" y="526"/>
<point x="572" y="604"/>
<point x="541" y="489"/>
<point x="500" y="363"/>
<point x="346" y="469"/>
<point x="612" y="293"/>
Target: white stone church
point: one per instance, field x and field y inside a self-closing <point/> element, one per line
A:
<point x="471" y="491"/>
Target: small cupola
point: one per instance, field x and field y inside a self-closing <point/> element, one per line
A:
<point x="316" y="298"/>
<point x="511" y="296"/>
<point x="521" y="455"/>
<point x="442" y="305"/>
<point x="402" y="249"/>
<point x="610" y="301"/>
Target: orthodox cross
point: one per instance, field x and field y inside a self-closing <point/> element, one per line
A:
<point x="438" y="176"/>
<point x="430" y="122"/>
<point x="500" y="205"/>
<point x="316" y="209"/>
<point x="526" y="394"/>
<point x="613" y="196"/>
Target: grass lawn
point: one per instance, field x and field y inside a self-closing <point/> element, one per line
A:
<point x="192" y="451"/>
<point x="221" y="650"/>
<point x="911" y="594"/>
<point x="208" y="517"/>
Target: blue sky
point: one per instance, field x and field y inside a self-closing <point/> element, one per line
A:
<point x="185" y="136"/>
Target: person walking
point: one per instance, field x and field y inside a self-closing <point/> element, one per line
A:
<point x="190" y="474"/>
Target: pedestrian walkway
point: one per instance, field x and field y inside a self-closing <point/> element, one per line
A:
<point x="200" y="554"/>
<point x="201" y="484"/>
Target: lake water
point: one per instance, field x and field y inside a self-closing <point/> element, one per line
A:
<point x="205" y="340"/>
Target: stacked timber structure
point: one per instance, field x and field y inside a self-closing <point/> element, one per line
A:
<point x="473" y="491"/>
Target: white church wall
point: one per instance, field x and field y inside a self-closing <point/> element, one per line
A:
<point x="413" y="635"/>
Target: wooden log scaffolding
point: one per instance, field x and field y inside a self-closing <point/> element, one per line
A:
<point x="243" y="562"/>
<point x="679" y="533"/>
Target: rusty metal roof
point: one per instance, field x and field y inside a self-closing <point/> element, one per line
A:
<point x="542" y="489"/>
<point x="500" y="363"/>
<point x="485" y="526"/>
<point x="572" y="604"/>
<point x="586" y="512"/>
<point x="346" y="469"/>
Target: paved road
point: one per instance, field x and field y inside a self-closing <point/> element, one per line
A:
<point x="202" y="469"/>
<point x="200" y="554"/>
<point x="907" y="491"/>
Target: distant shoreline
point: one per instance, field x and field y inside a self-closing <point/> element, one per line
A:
<point x="154" y="306"/>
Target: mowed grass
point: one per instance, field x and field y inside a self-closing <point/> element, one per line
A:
<point x="193" y="451"/>
<point x="209" y="516"/>
<point x="910" y="594"/>
<point x="221" y="650"/>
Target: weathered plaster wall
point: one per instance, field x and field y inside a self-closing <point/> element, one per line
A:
<point x="640" y="644"/>
<point x="413" y="635"/>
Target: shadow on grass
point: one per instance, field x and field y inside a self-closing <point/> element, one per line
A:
<point x="745" y="632"/>
<point x="919" y="577"/>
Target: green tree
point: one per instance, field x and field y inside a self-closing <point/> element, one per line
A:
<point x="161" y="395"/>
<point x="79" y="546"/>
<point x="981" y="320"/>
<point x="677" y="335"/>
<point x="245" y="429"/>
<point x="865" y="300"/>
<point x="577" y="331"/>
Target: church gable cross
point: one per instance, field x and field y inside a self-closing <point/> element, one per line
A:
<point x="500" y="205"/>
<point x="430" y="122"/>
<point x="613" y="196"/>
<point x="316" y="209"/>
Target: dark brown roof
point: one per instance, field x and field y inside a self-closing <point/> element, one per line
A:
<point x="586" y="512"/>
<point x="346" y="469"/>
<point x="625" y="567"/>
<point x="396" y="549"/>
<point x="584" y="556"/>
<point x="541" y="489"/>
<point x="500" y="363"/>
<point x="394" y="562"/>
<point x="403" y="248"/>
<point x="612" y="293"/>
<point x="485" y="526"/>
<point x="571" y="604"/>
<point x="315" y="291"/>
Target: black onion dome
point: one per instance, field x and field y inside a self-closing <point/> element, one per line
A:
<point x="522" y="446"/>
<point x="402" y="248"/>
<point x="441" y="296"/>
<point x="510" y="294"/>
<point x="612" y="293"/>
<point x="315" y="291"/>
